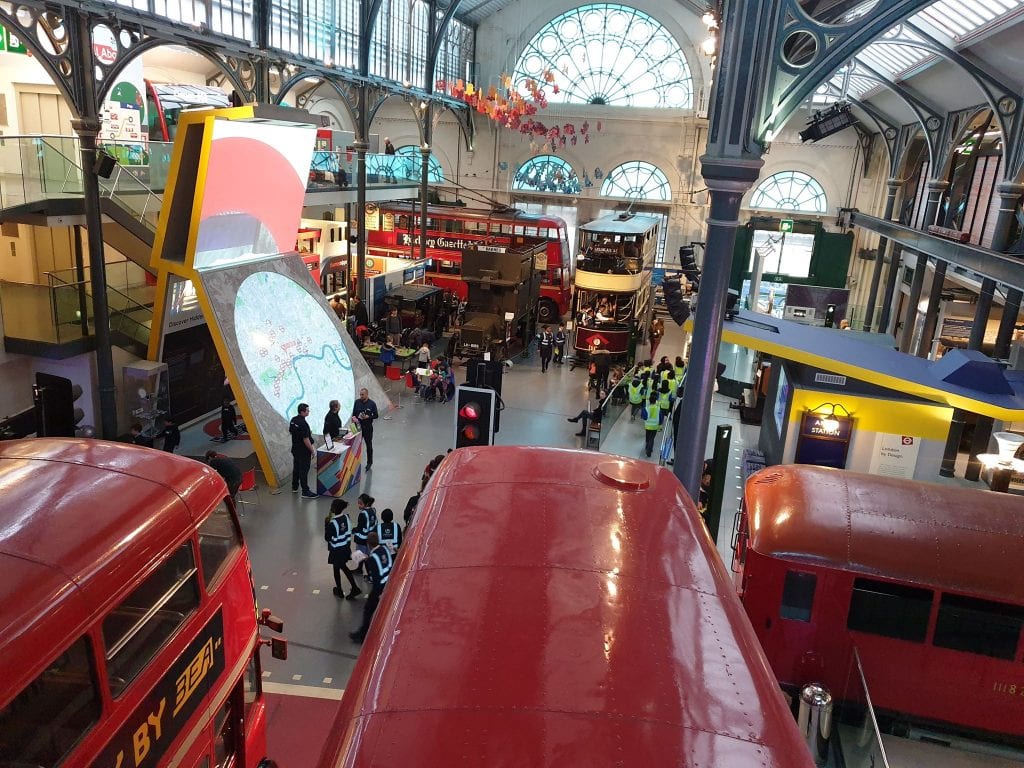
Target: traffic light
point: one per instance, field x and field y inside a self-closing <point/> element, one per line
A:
<point x="678" y="307"/>
<point x="474" y="416"/>
<point x="54" y="398"/>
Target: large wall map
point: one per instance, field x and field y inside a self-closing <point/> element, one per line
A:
<point x="291" y="348"/>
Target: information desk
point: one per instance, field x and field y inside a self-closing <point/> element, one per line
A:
<point x="338" y="470"/>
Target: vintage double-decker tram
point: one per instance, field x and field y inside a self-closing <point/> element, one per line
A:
<point x="611" y="634"/>
<point x="922" y="580"/>
<point x="129" y="634"/>
<point x="452" y="230"/>
<point x="612" y="298"/>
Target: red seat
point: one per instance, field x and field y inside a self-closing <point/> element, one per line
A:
<point x="393" y="372"/>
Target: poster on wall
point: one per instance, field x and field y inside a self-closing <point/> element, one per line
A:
<point x="123" y="131"/>
<point x="895" y="455"/>
<point x="824" y="440"/>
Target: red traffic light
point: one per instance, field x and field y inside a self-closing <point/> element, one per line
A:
<point x="470" y="411"/>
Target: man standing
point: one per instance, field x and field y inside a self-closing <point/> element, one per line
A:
<point x="332" y="421"/>
<point x="379" y="566"/>
<point x="171" y="435"/>
<point x="303" y="451"/>
<point x="545" y="343"/>
<point x="364" y="411"/>
<point x="228" y="417"/>
<point x="560" y="339"/>
<point x="227" y="469"/>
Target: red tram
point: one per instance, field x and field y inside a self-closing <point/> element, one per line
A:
<point x="922" y="579"/>
<point x="128" y="634"/>
<point x="549" y="608"/>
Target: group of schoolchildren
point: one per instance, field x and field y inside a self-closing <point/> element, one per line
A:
<point x="653" y="392"/>
<point x="376" y="545"/>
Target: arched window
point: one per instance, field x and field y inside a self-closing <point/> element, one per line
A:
<point x="790" y="191"/>
<point x="404" y="165"/>
<point x="547" y="173"/>
<point x="605" y="53"/>
<point x="636" y="180"/>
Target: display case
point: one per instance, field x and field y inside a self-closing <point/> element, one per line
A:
<point x="146" y="394"/>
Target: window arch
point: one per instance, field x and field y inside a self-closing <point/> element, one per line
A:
<point x="547" y="173"/>
<point x="405" y="164"/>
<point x="637" y="180"/>
<point x="790" y="191"/>
<point x="606" y="53"/>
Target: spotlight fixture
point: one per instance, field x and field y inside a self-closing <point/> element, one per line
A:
<point x="829" y="121"/>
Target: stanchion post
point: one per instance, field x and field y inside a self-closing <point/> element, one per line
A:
<point x="720" y="461"/>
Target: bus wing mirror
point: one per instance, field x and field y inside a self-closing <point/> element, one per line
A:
<point x="279" y="648"/>
<point x="270" y="621"/>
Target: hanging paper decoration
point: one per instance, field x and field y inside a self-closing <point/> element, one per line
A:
<point x="510" y="109"/>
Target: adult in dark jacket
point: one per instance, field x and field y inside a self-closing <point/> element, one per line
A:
<point x="332" y="421"/>
<point x="227" y="469"/>
<point x="364" y="411"/>
<point x="228" y="418"/>
<point x="338" y="535"/>
<point x="303" y="451"/>
<point x="171" y="435"/>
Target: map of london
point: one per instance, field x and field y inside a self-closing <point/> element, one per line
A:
<point x="291" y="347"/>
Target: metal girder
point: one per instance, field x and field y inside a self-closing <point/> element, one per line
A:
<point x="997" y="266"/>
<point x="928" y="115"/>
<point x="788" y="83"/>
<point x="1002" y="96"/>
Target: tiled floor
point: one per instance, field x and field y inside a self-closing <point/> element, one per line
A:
<point x="285" y="532"/>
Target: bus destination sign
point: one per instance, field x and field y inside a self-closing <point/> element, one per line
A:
<point x="453" y="243"/>
<point x="161" y="716"/>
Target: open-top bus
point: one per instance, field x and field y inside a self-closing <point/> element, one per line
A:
<point x="552" y="609"/>
<point x="612" y="298"/>
<point x="128" y="634"/>
<point x="920" y="582"/>
<point x="452" y="230"/>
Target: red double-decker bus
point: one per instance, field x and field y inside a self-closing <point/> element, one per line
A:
<point x="548" y="608"/>
<point x="128" y="635"/>
<point x="451" y="230"/>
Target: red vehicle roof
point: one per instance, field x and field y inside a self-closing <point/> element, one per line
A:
<point x="458" y="212"/>
<point x="556" y="607"/>
<point x="79" y="520"/>
<point x="951" y="538"/>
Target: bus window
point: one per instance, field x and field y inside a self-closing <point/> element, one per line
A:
<point x="251" y="684"/>
<point x="798" y="596"/>
<point x="978" y="626"/>
<point x="225" y="745"/>
<point x="136" y="629"/>
<point x="448" y="267"/>
<point x="218" y="539"/>
<point x="890" y="610"/>
<point x="54" y="712"/>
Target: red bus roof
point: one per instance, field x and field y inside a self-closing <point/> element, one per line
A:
<point x="68" y="511"/>
<point x="942" y="536"/>
<point x="554" y="606"/>
<point x="458" y="212"/>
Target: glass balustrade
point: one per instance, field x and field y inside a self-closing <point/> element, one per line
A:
<point x="860" y="736"/>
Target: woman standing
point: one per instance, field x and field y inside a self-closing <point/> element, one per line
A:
<point x="338" y="535"/>
<point x="365" y="522"/>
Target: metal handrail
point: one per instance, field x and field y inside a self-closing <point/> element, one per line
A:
<point x="871" y="708"/>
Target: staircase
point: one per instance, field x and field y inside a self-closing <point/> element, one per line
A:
<point x="41" y="185"/>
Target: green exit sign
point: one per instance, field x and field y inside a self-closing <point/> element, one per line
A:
<point x="785" y="225"/>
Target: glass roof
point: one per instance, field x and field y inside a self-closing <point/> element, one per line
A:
<point x="949" y="21"/>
